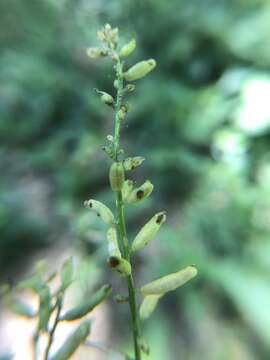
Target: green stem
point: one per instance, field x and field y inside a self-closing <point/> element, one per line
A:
<point x="59" y="304"/>
<point x="123" y="240"/>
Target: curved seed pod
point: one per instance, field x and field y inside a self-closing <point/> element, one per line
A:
<point x="117" y="176"/>
<point x="140" y="193"/>
<point x="169" y="282"/>
<point x="148" y="231"/>
<point x="119" y="264"/>
<point x="148" y="306"/>
<point x="95" y="53"/>
<point x="127" y="49"/>
<point x="105" y="97"/>
<point x="73" y="341"/>
<point x="44" y="311"/>
<point x="87" y="306"/>
<point x="140" y="69"/>
<point x="131" y="163"/>
<point x="113" y="242"/>
<point x="102" y="210"/>
<point x="127" y="189"/>
<point x="66" y="274"/>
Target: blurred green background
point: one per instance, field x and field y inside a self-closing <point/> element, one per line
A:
<point x="201" y="119"/>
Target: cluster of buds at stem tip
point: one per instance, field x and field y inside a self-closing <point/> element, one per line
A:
<point x="102" y="210"/>
<point x="133" y="195"/>
<point x="148" y="231"/>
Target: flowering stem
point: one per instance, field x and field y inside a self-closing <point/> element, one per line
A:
<point x="123" y="240"/>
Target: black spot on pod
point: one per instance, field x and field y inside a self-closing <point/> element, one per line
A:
<point x="140" y="194"/>
<point x="113" y="261"/>
<point x="159" y="218"/>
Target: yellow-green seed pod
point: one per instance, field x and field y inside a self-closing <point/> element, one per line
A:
<point x="106" y="98"/>
<point x="95" y="53"/>
<point x="169" y="282"/>
<point x="72" y="343"/>
<point x="148" y="306"/>
<point x="148" y="231"/>
<point x="113" y="247"/>
<point x="102" y="210"/>
<point x="127" y="49"/>
<point x="127" y="189"/>
<point x="117" y="176"/>
<point x="131" y="163"/>
<point x="88" y="305"/>
<point x="140" y="193"/>
<point x="140" y="69"/>
<point x="119" y="264"/>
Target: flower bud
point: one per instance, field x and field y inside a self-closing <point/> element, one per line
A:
<point x="95" y="53"/>
<point x="131" y="163"/>
<point x="119" y="264"/>
<point x="122" y="113"/>
<point x="148" y="231"/>
<point x="140" y="69"/>
<point x="112" y="242"/>
<point x="127" y="189"/>
<point x="117" y="176"/>
<point x="102" y="210"/>
<point x="105" y="97"/>
<point x="130" y="87"/>
<point x="169" y="282"/>
<point x="73" y="341"/>
<point x="140" y="193"/>
<point x="148" y="306"/>
<point x="127" y="49"/>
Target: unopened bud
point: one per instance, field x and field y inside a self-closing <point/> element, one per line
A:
<point x="117" y="176"/>
<point x="95" y="53"/>
<point x="102" y="210"/>
<point x="119" y="264"/>
<point x="140" y="69"/>
<point x="113" y="242"/>
<point x="127" y="49"/>
<point x="169" y="282"/>
<point x="148" y="231"/>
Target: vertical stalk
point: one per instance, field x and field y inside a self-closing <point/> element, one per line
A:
<point x="123" y="240"/>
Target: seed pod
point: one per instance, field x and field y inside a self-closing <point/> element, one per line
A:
<point x="140" y="193"/>
<point x="148" y="231"/>
<point x="73" y="342"/>
<point x="127" y="189"/>
<point x="169" y="282"/>
<point x="148" y="306"/>
<point x="113" y="243"/>
<point x="102" y="210"/>
<point x="87" y="306"/>
<point x="44" y="311"/>
<point x="66" y="274"/>
<point x="119" y="264"/>
<point x="131" y="163"/>
<point x="117" y="176"/>
<point x="127" y="49"/>
<point x="140" y="69"/>
<point x="95" y="53"/>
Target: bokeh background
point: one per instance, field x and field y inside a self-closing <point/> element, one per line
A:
<point x="201" y="119"/>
